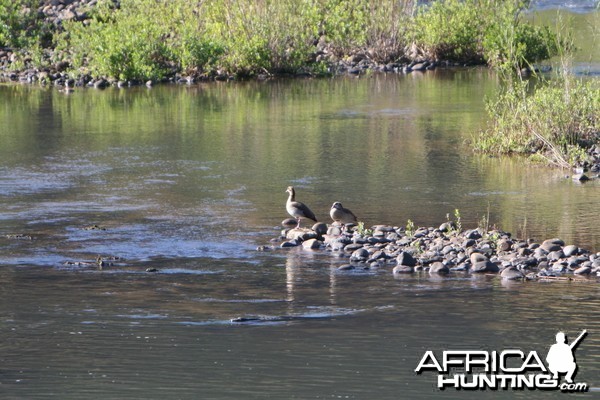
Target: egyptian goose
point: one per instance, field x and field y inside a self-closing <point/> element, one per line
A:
<point x="297" y="209"/>
<point x="342" y="215"/>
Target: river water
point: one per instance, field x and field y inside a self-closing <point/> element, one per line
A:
<point x="189" y="180"/>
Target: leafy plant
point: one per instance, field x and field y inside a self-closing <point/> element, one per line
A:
<point x="410" y="228"/>
<point x="361" y="230"/>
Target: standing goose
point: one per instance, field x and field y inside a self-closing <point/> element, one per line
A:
<point x="297" y="209"/>
<point x="342" y="215"/>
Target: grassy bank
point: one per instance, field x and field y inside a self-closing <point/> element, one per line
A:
<point x="153" y="39"/>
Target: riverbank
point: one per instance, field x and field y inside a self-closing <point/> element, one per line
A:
<point x="443" y="251"/>
<point x="134" y="42"/>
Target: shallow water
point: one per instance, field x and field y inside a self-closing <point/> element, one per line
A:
<point x="190" y="180"/>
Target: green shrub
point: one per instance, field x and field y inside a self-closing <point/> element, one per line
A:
<point x="450" y="30"/>
<point x="510" y="43"/>
<point x="490" y="31"/>
<point x="19" y="24"/>
<point x="555" y="120"/>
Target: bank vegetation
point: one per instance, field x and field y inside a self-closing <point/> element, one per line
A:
<point x="156" y="39"/>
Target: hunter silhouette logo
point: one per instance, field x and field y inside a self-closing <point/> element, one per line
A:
<point x="507" y="369"/>
<point x="560" y="357"/>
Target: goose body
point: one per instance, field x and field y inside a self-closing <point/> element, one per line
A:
<point x="297" y="209"/>
<point x="342" y="215"/>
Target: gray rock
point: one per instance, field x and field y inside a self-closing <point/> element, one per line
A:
<point x="405" y="258"/>
<point x="290" y="243"/>
<point x="551" y="245"/>
<point x="558" y="267"/>
<point x="447" y="249"/>
<point x="583" y="270"/>
<point x="346" y="267"/>
<point x="574" y="262"/>
<point x="403" y="269"/>
<point x="477" y="257"/>
<point x="383" y="228"/>
<point x="336" y="243"/>
<point x="301" y="234"/>
<point x="447" y="226"/>
<point x="320" y="228"/>
<point x="392" y="236"/>
<point x="377" y="255"/>
<point x="289" y="223"/>
<point x="570" y="250"/>
<point x="556" y="255"/>
<point x="334" y="231"/>
<point x="473" y="234"/>
<point x="480" y="264"/>
<point x="462" y="267"/>
<point x="524" y="251"/>
<point x="484" y="266"/>
<point x="360" y="255"/>
<point x="438" y="268"/>
<point x="469" y="243"/>
<point x="353" y="247"/>
<point x="511" y="273"/>
<point x="311" y="244"/>
<point x="505" y="245"/>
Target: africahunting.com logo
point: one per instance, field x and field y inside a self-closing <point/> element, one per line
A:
<point x="507" y="369"/>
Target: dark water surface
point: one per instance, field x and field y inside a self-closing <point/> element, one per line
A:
<point x="189" y="180"/>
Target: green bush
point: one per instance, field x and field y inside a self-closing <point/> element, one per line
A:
<point x="20" y="26"/>
<point x="509" y="45"/>
<point x="450" y="30"/>
<point x="555" y="120"/>
<point x="490" y="31"/>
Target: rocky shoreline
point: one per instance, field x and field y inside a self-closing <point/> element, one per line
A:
<point x="443" y="251"/>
